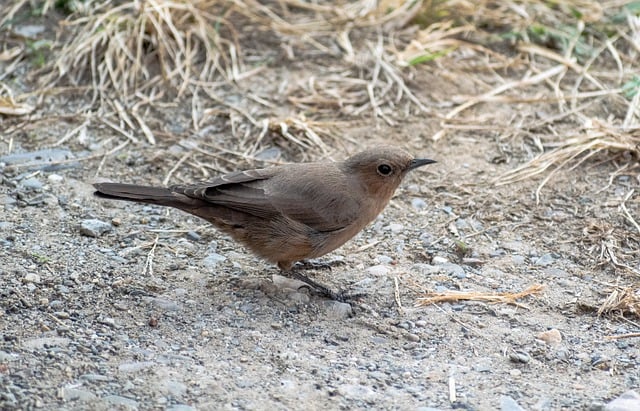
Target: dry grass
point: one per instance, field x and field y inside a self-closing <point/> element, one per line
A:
<point x="432" y="297"/>
<point x="578" y="54"/>
<point x="622" y="301"/>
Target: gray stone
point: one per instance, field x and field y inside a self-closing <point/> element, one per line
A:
<point x="269" y="154"/>
<point x="418" y="203"/>
<point x="378" y="270"/>
<point x="358" y="392"/>
<point x="32" y="183"/>
<point x="213" y="259"/>
<point x="453" y="269"/>
<point x="163" y="303"/>
<point x="509" y="404"/>
<point x="31" y="278"/>
<point x="181" y="407"/>
<point x="384" y="259"/>
<point x="121" y="402"/>
<point x="337" y="309"/>
<point x="629" y="401"/>
<point x="46" y="155"/>
<point x="175" y="388"/>
<point x="395" y="228"/>
<point x="77" y="394"/>
<point x="544" y="260"/>
<point x="55" y="178"/>
<point x="134" y="366"/>
<point x="94" y="228"/>
<point x="30" y="31"/>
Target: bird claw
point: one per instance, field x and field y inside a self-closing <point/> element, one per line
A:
<point x="318" y="265"/>
<point x="325" y="291"/>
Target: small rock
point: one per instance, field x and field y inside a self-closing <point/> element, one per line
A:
<point x="395" y="228"/>
<point x="163" y="303"/>
<point x="175" y="388"/>
<point x="378" y="270"/>
<point x="30" y="31"/>
<point x="76" y="394"/>
<point x="338" y="310"/>
<point x="121" y="402"/>
<point x="521" y="357"/>
<point x="134" y="366"/>
<point x="358" y="392"/>
<point x="213" y="259"/>
<point x="551" y="337"/>
<point x="509" y="404"/>
<point x="55" y="178"/>
<point x="63" y="315"/>
<point x="32" y="183"/>
<point x="453" y="269"/>
<point x="31" y="278"/>
<point x="418" y="203"/>
<point x="94" y="228"/>
<point x="629" y="401"/>
<point x="269" y="154"/>
<point x="517" y="259"/>
<point x="192" y="235"/>
<point x="412" y="337"/>
<point x="181" y="407"/>
<point x="384" y="259"/>
<point x="438" y="260"/>
<point x="544" y="260"/>
<point x="555" y="272"/>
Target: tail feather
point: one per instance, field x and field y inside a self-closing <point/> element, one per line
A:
<point x="132" y="192"/>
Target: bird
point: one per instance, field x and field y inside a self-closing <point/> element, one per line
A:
<point x="291" y="212"/>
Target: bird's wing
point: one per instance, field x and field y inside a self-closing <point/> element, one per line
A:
<point x="241" y="191"/>
<point x="266" y="193"/>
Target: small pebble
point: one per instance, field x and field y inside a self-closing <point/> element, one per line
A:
<point x="551" y="337"/>
<point x="32" y="183"/>
<point x="395" y="228"/>
<point x="213" y="259"/>
<point x="55" y="178"/>
<point x="192" y="235"/>
<point x="509" y="404"/>
<point x="438" y="260"/>
<point x="418" y="203"/>
<point x="378" y="270"/>
<point x="31" y="278"/>
<point x="338" y="310"/>
<point x="544" y="260"/>
<point x="520" y="357"/>
<point x="122" y="403"/>
<point x="384" y="259"/>
<point x="629" y="401"/>
<point x="94" y="228"/>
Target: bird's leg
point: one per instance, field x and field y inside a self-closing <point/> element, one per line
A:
<point x="318" y="265"/>
<point x="321" y="289"/>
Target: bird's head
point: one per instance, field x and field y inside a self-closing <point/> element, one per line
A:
<point x="381" y="170"/>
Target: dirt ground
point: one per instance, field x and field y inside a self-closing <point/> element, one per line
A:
<point x="150" y="308"/>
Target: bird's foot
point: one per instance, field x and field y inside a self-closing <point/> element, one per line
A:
<point x="318" y="265"/>
<point x="324" y="291"/>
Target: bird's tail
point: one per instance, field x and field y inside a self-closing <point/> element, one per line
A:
<point x="133" y="192"/>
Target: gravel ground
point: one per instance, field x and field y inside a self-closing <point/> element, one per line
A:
<point x="113" y="305"/>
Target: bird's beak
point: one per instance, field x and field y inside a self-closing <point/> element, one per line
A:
<point x="419" y="162"/>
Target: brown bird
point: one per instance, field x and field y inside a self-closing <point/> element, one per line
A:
<point x="291" y="212"/>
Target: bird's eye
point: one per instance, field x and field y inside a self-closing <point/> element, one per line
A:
<point x="384" y="169"/>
